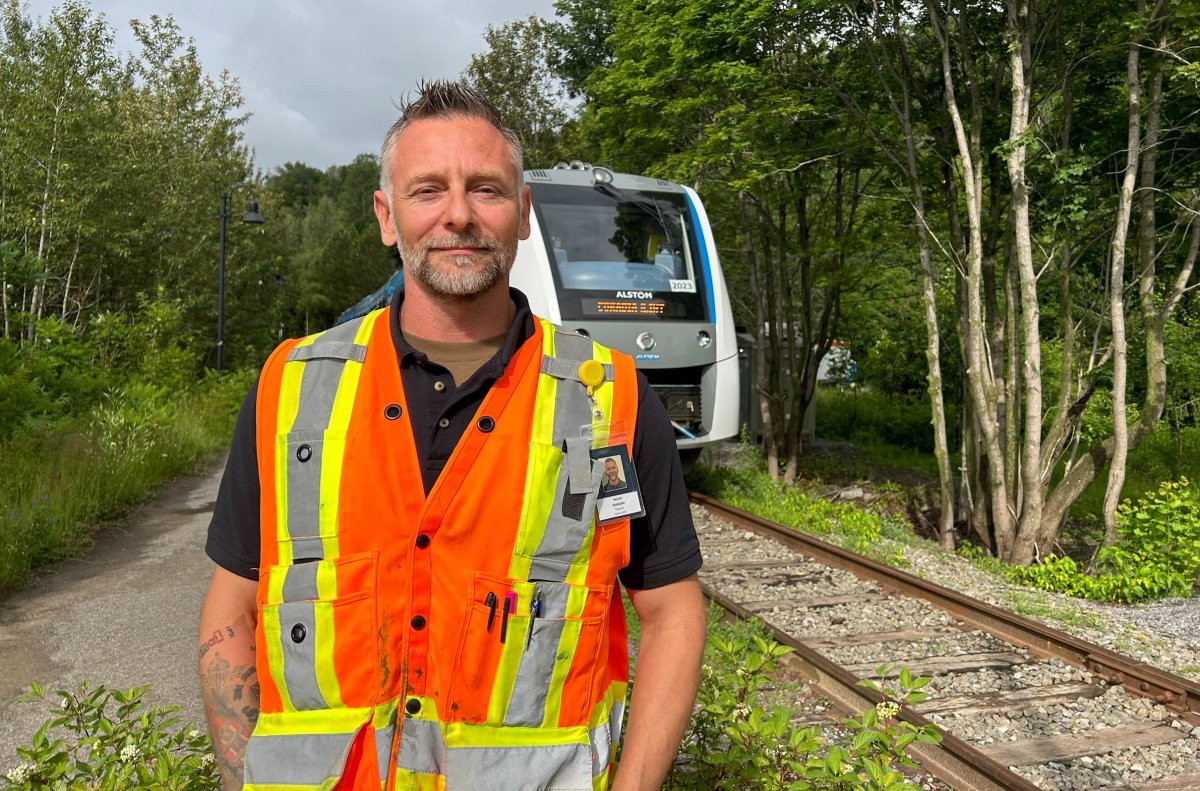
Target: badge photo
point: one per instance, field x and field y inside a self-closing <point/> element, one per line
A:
<point x="619" y="496"/>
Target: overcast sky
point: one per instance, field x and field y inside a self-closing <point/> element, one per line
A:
<point x="319" y="76"/>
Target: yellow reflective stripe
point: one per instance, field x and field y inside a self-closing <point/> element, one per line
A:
<point x="510" y="663"/>
<point x="567" y="643"/>
<point x="316" y="722"/>
<point x="539" y="498"/>
<point x="463" y="734"/>
<point x="273" y="637"/>
<point x="562" y="666"/>
<point x="289" y="406"/>
<point x="333" y="457"/>
<point x="603" y="398"/>
<point x="327" y="681"/>
<point x="418" y="781"/>
<point x="275" y="588"/>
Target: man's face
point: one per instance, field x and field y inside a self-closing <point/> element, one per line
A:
<point x="455" y="211"/>
<point x="610" y="469"/>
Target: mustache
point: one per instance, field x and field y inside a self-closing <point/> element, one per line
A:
<point x="462" y="240"/>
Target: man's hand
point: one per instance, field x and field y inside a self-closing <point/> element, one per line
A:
<point x="667" y="676"/>
<point x="228" y="678"/>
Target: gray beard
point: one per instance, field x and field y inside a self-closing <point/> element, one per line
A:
<point x="465" y="276"/>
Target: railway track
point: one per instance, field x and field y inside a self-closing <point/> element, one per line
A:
<point x="1020" y="705"/>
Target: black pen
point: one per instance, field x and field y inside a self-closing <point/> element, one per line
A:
<point x="509" y="599"/>
<point x="490" y="603"/>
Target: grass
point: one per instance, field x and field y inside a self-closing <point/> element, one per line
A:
<point x="62" y="481"/>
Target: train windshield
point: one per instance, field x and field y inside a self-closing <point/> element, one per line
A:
<point x="622" y="254"/>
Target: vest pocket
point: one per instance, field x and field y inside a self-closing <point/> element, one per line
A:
<point x="549" y="665"/>
<point x="319" y="623"/>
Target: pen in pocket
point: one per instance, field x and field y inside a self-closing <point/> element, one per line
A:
<point x="490" y="603"/>
<point x="535" y="612"/>
<point x="510" y="601"/>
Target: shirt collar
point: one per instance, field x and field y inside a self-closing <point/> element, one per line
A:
<point x="519" y="331"/>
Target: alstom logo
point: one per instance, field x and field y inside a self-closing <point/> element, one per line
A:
<point x="635" y="295"/>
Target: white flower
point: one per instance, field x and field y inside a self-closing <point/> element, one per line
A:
<point x="887" y="709"/>
<point x="193" y="733"/>
<point x="129" y="752"/>
<point x="18" y="773"/>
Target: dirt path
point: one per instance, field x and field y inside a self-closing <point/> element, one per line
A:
<point x="123" y="616"/>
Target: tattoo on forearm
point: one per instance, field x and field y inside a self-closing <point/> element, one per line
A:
<point x="230" y="694"/>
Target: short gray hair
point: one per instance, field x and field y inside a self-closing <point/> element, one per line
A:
<point x="442" y="99"/>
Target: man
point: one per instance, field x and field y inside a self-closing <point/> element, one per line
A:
<point x="399" y="620"/>
<point x="612" y="476"/>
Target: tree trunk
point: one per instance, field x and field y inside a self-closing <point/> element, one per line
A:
<point x="1120" y="439"/>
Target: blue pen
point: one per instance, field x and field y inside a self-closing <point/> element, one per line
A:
<point x="535" y="612"/>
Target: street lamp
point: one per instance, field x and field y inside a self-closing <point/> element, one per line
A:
<point x="253" y="218"/>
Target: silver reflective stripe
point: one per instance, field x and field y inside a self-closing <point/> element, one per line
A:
<point x="422" y="748"/>
<point x="560" y="367"/>
<point x="605" y="735"/>
<point x="547" y="767"/>
<point x="333" y="350"/>
<point x="300" y="584"/>
<point x="383" y="749"/>
<point x="579" y="463"/>
<point x="297" y="760"/>
<point x="570" y="519"/>
<point x="299" y="658"/>
<point x="565" y="532"/>
<point x="527" y="706"/>
<point x="318" y="387"/>
<point x="304" y="491"/>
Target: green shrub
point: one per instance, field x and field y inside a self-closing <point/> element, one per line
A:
<point x="1157" y="553"/>
<point x="62" y="480"/>
<point x="734" y="743"/>
<point x="110" y="740"/>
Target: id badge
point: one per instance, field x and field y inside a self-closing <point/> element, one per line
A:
<point x="620" y="497"/>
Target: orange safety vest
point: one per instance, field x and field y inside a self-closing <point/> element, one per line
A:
<point x="395" y="643"/>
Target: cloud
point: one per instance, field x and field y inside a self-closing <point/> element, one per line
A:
<point x="320" y="78"/>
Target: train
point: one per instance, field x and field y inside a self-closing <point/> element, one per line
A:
<point x="630" y="261"/>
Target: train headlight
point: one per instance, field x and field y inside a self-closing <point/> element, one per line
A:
<point x="583" y="332"/>
<point x="602" y="175"/>
<point x="646" y="341"/>
<point x="704" y="339"/>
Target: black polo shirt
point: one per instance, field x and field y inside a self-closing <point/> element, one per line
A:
<point x="663" y="544"/>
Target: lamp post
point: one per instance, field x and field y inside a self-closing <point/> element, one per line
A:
<point x="253" y="218"/>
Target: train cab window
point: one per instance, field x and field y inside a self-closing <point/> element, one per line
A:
<point x="621" y="254"/>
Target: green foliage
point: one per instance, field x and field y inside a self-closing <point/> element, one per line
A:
<point x="903" y="421"/>
<point x="737" y="740"/>
<point x="61" y="480"/>
<point x="752" y="489"/>
<point x="1157" y="553"/>
<point x="111" y="740"/>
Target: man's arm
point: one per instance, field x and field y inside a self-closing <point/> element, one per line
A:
<point x="665" y="681"/>
<point x="228" y="678"/>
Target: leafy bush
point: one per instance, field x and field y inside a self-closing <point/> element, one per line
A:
<point x="110" y="741"/>
<point x="1156" y="555"/>
<point x="734" y="743"/>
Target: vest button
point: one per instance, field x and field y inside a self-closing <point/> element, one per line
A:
<point x="423" y="541"/>
<point x="485" y="424"/>
<point x="392" y="411"/>
<point x="304" y="453"/>
<point x="444" y="423"/>
<point x="413" y="706"/>
<point x="298" y="632"/>
<point x="439" y="386"/>
<point x="418" y="622"/>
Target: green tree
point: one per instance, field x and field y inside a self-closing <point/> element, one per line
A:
<point x="515" y="74"/>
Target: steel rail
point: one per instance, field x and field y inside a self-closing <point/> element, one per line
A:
<point x="1175" y="693"/>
